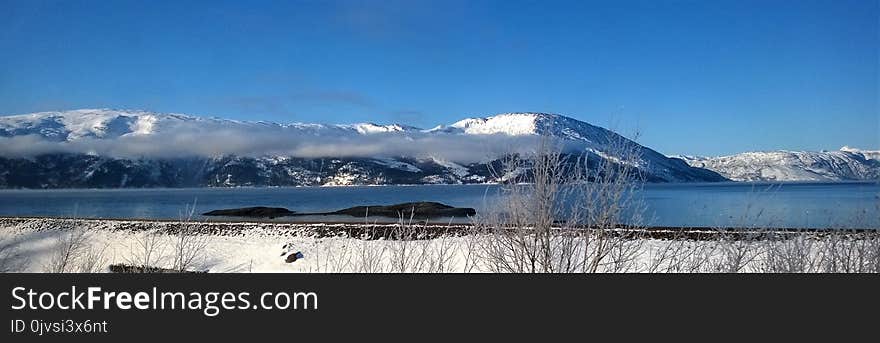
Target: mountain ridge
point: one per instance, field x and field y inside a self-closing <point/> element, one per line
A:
<point x="846" y="164"/>
<point x="130" y="148"/>
<point x="141" y="121"/>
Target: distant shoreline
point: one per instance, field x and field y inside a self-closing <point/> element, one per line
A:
<point x="700" y="183"/>
<point x="658" y="231"/>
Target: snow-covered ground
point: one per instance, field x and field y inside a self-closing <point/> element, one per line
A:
<point x="32" y="243"/>
<point x="36" y="244"/>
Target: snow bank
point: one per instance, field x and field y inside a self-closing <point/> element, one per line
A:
<point x="32" y="245"/>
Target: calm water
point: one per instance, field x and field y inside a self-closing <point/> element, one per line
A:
<point x="717" y="204"/>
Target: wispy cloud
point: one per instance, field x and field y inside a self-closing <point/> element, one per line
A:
<point x="276" y="141"/>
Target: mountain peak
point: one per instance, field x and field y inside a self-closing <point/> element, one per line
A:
<point x="514" y="123"/>
<point x="532" y="123"/>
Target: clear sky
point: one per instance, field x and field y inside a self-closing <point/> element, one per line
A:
<point x="694" y="77"/>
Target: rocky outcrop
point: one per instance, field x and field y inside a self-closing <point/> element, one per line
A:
<point x="422" y="209"/>
<point x="252" y="212"/>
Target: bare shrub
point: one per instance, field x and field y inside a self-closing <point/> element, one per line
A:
<point x="562" y="213"/>
<point x="733" y="252"/>
<point x="369" y="254"/>
<point x="785" y="252"/>
<point x="69" y="246"/>
<point x="848" y="251"/>
<point x="677" y="254"/>
<point x="188" y="244"/>
<point x="75" y="251"/>
<point x="442" y="251"/>
<point x="469" y="249"/>
<point x="337" y="255"/>
<point x="413" y="249"/>
<point x="94" y="259"/>
<point x="519" y="235"/>
<point x="407" y="253"/>
<point x="148" y="249"/>
<point x="744" y="247"/>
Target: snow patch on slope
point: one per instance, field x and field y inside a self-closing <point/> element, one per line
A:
<point x="144" y="125"/>
<point x="370" y="128"/>
<point x="513" y="124"/>
<point x="455" y="168"/>
<point x="392" y="163"/>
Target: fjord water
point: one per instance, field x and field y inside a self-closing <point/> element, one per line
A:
<point x="794" y="205"/>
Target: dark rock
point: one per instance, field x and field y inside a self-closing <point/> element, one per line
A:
<point x="293" y="257"/>
<point x="422" y="209"/>
<point x="255" y="212"/>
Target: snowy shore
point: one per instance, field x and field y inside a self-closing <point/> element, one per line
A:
<point x="228" y="246"/>
<point x="92" y="245"/>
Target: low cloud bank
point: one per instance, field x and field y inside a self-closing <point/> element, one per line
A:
<point x="276" y="142"/>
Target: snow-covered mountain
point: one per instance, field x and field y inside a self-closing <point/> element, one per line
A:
<point x="599" y="142"/>
<point x="845" y="164"/>
<point x="108" y="123"/>
<point x="120" y="148"/>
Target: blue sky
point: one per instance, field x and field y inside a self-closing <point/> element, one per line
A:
<point x="694" y="77"/>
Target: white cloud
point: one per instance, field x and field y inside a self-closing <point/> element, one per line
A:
<point x="187" y="142"/>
